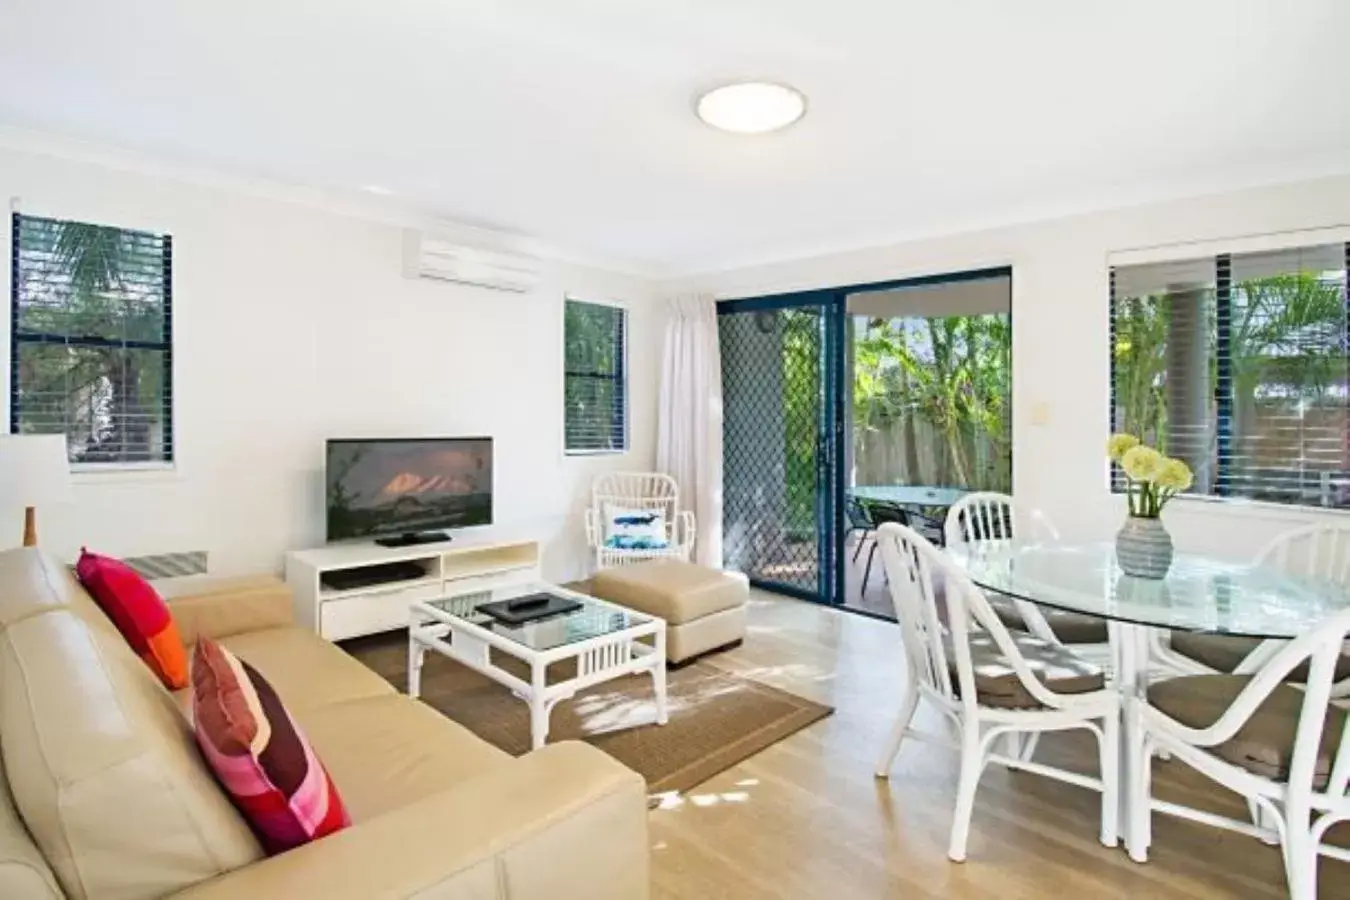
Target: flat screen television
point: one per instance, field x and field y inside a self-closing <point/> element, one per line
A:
<point x="405" y="491"/>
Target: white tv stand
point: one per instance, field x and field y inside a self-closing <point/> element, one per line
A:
<point x="450" y="568"/>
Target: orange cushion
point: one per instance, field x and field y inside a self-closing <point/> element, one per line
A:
<point x="139" y="613"/>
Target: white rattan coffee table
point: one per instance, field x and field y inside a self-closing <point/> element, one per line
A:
<point x="602" y="637"/>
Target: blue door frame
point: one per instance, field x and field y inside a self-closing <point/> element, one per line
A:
<point x="835" y="392"/>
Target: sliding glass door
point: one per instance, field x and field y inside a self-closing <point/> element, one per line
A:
<point x="930" y="370"/>
<point x="893" y="393"/>
<point x="781" y="359"/>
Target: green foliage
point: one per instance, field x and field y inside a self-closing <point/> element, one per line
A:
<point x="79" y="282"/>
<point x="593" y="397"/>
<point x="950" y="373"/>
<point x="803" y="401"/>
<point x="1140" y="353"/>
<point x="589" y="336"/>
<point x="953" y="373"/>
<point x="1287" y="330"/>
<point x="1285" y="351"/>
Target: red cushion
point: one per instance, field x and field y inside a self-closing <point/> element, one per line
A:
<point x="259" y="754"/>
<point x="138" y="612"/>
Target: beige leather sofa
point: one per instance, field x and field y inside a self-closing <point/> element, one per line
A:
<point x="105" y="795"/>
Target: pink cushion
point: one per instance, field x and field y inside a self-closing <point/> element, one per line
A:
<point x="139" y="613"/>
<point x="259" y="754"/>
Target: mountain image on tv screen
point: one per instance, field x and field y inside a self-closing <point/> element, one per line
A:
<point x="393" y="487"/>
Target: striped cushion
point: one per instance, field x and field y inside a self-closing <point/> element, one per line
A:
<point x="259" y="754"/>
<point x="139" y="613"/>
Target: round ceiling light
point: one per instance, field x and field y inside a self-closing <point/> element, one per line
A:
<point x="751" y="107"/>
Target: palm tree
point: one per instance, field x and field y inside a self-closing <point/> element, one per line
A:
<point x="90" y="285"/>
<point x="1288" y="337"/>
<point x="1286" y="341"/>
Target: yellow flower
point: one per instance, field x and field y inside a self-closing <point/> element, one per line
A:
<point x="1118" y="444"/>
<point x="1142" y="463"/>
<point x="1175" y="475"/>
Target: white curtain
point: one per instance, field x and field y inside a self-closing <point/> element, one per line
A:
<point x="689" y="427"/>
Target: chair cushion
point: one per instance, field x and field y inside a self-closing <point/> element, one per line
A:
<point x="635" y="529"/>
<point x="260" y="756"/>
<point x="387" y="752"/>
<point x="997" y="685"/>
<point x="672" y="589"/>
<point x="1265" y="744"/>
<point x="1223" y="653"/>
<point x="1071" y="628"/>
<point x="305" y="669"/>
<point x="139" y="613"/>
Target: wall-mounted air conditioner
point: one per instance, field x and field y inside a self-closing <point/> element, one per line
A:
<point x="427" y="256"/>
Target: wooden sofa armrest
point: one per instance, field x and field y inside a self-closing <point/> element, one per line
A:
<point x="220" y="607"/>
<point x="564" y="821"/>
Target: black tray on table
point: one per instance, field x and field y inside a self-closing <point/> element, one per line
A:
<point x="521" y="610"/>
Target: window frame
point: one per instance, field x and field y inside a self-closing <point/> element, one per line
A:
<point x="620" y="378"/>
<point x="169" y="447"/>
<point x="1221" y="254"/>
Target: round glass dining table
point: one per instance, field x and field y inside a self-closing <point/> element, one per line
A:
<point x="1198" y="594"/>
<point x="916" y="495"/>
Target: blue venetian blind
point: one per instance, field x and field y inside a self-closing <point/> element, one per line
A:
<point x="91" y="338"/>
<point x="1240" y="364"/>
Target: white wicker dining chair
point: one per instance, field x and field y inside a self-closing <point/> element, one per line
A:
<point x="1320" y="552"/>
<point x="1286" y="750"/>
<point x="988" y="682"/>
<point x="990" y="517"/>
<point x="993" y="516"/>
<point x="647" y="492"/>
<point x="985" y="517"/>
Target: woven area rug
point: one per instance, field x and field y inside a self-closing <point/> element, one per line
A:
<point x="717" y="718"/>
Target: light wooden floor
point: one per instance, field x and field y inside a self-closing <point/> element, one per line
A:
<point x="807" y="819"/>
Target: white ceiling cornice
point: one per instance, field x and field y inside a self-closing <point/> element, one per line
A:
<point x="351" y="204"/>
<point x="395" y="212"/>
<point x="1331" y="166"/>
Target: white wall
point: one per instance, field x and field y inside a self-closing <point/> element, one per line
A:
<point x="294" y="324"/>
<point x="1060" y="327"/>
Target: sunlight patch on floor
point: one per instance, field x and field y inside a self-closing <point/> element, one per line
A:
<point x="794" y="672"/>
<point x="608" y="711"/>
<point x="671" y="800"/>
<point x="614" y="711"/>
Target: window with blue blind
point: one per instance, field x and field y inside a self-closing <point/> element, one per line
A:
<point x="1239" y="363"/>
<point x="595" y="377"/>
<point x="91" y="339"/>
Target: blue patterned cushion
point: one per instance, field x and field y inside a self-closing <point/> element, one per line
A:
<point x="635" y="529"/>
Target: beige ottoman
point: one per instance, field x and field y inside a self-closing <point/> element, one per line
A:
<point x="704" y="608"/>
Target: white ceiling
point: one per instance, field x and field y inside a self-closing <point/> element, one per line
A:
<point x="571" y="119"/>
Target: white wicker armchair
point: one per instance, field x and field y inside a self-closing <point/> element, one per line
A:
<point x="647" y="491"/>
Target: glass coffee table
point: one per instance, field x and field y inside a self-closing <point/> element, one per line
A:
<point x="602" y="637"/>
